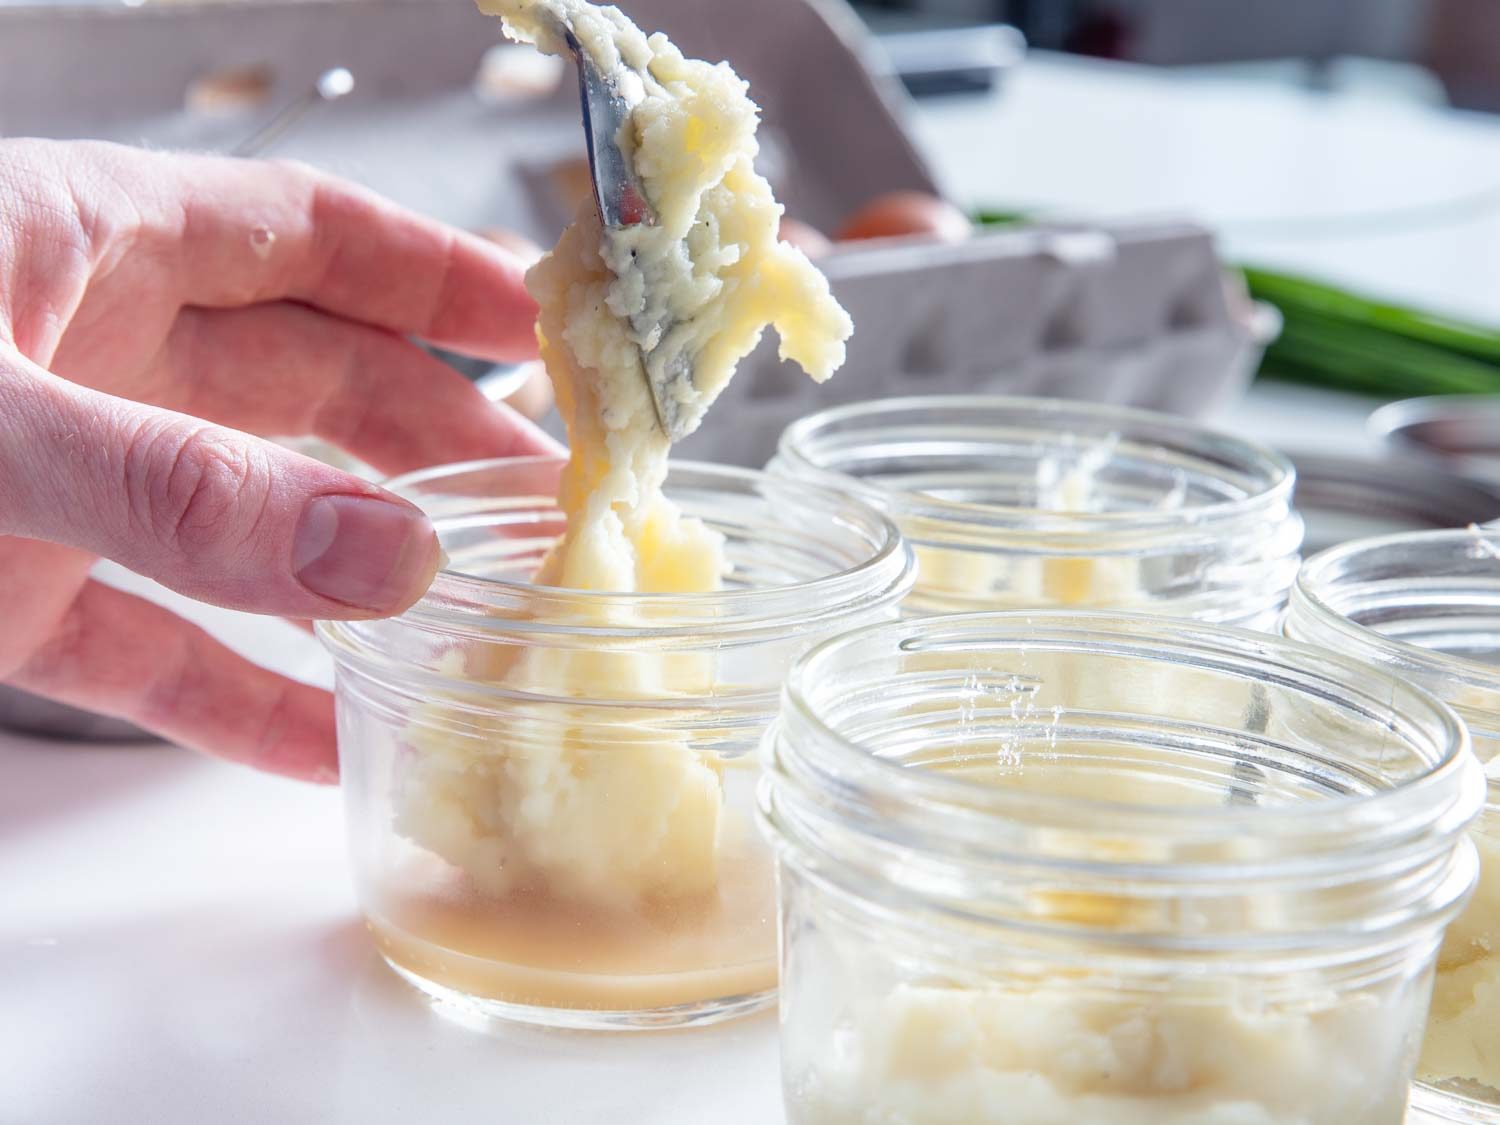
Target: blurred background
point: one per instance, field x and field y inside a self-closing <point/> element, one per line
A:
<point x="1445" y="50"/>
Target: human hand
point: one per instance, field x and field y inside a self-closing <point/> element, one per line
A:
<point x="155" y="312"/>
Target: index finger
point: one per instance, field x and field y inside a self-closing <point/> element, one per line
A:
<point x="239" y="232"/>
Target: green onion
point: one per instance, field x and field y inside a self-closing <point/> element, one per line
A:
<point x="989" y="217"/>
<point x="1339" y="307"/>
<point x="1333" y="338"/>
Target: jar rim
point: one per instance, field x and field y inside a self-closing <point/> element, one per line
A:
<point x="1318" y="576"/>
<point x="1100" y="533"/>
<point x="1151" y="638"/>
<point x="468" y="602"/>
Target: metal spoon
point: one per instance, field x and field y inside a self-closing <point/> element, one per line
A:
<point x="622" y="203"/>
<point x="606" y="110"/>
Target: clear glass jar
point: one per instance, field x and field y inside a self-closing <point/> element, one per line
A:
<point x="1091" y="869"/>
<point x="1015" y="503"/>
<point x="550" y="792"/>
<point x="1426" y="606"/>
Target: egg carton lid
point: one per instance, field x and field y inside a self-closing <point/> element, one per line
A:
<point x="1132" y="313"/>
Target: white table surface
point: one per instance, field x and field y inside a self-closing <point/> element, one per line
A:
<point x="178" y="938"/>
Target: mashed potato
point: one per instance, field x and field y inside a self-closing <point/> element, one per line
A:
<point x="571" y="800"/>
<point x="1055" y="1056"/>
<point x="1463" y="1028"/>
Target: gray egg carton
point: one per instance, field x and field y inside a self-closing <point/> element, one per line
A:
<point x="1132" y="313"/>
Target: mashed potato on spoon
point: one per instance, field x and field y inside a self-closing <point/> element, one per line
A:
<point x="549" y="811"/>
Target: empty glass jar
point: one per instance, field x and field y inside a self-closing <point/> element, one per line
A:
<point x="1022" y="503"/>
<point x="1081" y="869"/>
<point x="1426" y="606"/>
<point x="550" y="792"/>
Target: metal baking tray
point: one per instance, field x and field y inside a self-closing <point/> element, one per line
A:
<point x="1460" y="433"/>
<point x="1344" y="498"/>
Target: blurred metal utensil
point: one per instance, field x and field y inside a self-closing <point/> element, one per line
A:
<point x="468" y="366"/>
<point x="1458" y="432"/>
<point x="333" y="84"/>
<point x="1343" y="498"/>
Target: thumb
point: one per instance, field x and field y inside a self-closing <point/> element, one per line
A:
<point x="213" y="513"/>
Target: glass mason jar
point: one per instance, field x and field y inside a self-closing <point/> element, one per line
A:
<point x="550" y="792"/>
<point x="1015" y="503"/>
<point x="1091" y="869"/>
<point x="1426" y="606"/>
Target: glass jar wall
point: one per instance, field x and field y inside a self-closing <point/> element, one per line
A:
<point x="1081" y="869"/>
<point x="549" y="791"/>
<point x="1031" y="503"/>
<point x="1426" y="606"/>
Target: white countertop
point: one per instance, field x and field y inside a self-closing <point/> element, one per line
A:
<point x="179" y="943"/>
<point x="178" y="938"/>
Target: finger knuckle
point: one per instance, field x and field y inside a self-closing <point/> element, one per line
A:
<point x="276" y="716"/>
<point x="47" y="665"/>
<point x="349" y="415"/>
<point x="172" y="689"/>
<point x="195" y="487"/>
